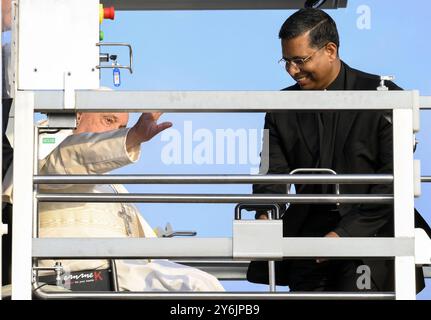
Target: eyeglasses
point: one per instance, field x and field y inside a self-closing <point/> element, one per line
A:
<point x="298" y="62"/>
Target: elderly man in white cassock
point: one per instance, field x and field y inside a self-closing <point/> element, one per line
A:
<point x="102" y="143"/>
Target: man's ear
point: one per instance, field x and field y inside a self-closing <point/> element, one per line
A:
<point x="78" y="118"/>
<point x="332" y="51"/>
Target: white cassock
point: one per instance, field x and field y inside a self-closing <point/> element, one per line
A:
<point x="99" y="153"/>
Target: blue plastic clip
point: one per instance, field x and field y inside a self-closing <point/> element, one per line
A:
<point x="116" y="77"/>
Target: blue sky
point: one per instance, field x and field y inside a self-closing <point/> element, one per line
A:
<point x="239" y="50"/>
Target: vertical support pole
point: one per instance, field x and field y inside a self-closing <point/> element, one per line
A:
<point x="271" y="267"/>
<point x="271" y="272"/>
<point x="23" y="196"/>
<point x="35" y="189"/>
<point x="405" y="284"/>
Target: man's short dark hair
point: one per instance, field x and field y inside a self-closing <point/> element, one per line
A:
<point x="321" y="26"/>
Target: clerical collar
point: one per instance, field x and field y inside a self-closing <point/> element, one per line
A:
<point x="338" y="83"/>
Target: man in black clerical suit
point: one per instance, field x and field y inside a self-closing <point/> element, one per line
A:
<point x="345" y="141"/>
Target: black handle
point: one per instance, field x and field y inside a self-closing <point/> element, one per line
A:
<point x="275" y="209"/>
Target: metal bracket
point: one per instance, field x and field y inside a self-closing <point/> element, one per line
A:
<point x="382" y="86"/>
<point x="170" y="233"/>
<point x="257" y="239"/>
<point x="416" y="111"/>
<point x="422" y="247"/>
<point x="417" y="178"/>
<point x="247" y="227"/>
<point x="69" y="91"/>
<point x="117" y="44"/>
<point x="273" y="208"/>
<point x="59" y="271"/>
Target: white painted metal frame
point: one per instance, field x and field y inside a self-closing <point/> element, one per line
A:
<point x="403" y="190"/>
<point x="22" y="227"/>
<point x="49" y="35"/>
<point x="221" y="248"/>
<point x="425" y="102"/>
<point x="216" y="295"/>
<point x="224" y="101"/>
<point x="405" y="284"/>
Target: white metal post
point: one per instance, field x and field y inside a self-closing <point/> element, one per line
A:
<point x="23" y="196"/>
<point x="405" y="284"/>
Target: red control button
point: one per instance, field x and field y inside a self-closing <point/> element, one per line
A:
<point x="109" y="13"/>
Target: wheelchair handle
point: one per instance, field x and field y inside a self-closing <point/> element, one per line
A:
<point x="337" y="185"/>
<point x="275" y="209"/>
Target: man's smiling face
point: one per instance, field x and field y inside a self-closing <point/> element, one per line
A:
<point x="317" y="72"/>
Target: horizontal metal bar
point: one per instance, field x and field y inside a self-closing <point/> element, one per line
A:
<point x="216" y="179"/>
<point x="219" y="248"/>
<point x="212" y="198"/>
<point x="216" y="4"/>
<point x="176" y="248"/>
<point x="225" y="101"/>
<point x="425" y="102"/>
<point x="426" y="178"/>
<point x="348" y="247"/>
<point x="200" y="262"/>
<point x="221" y="269"/>
<point x="215" y="296"/>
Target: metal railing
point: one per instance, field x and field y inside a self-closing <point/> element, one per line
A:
<point x="212" y="198"/>
<point x="214" y="296"/>
<point x="405" y="108"/>
<point x="217" y="179"/>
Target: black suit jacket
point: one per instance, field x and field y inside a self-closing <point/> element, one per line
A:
<point x="363" y="145"/>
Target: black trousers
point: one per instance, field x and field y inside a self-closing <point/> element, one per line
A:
<point x="331" y="275"/>
<point x="7" y="246"/>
